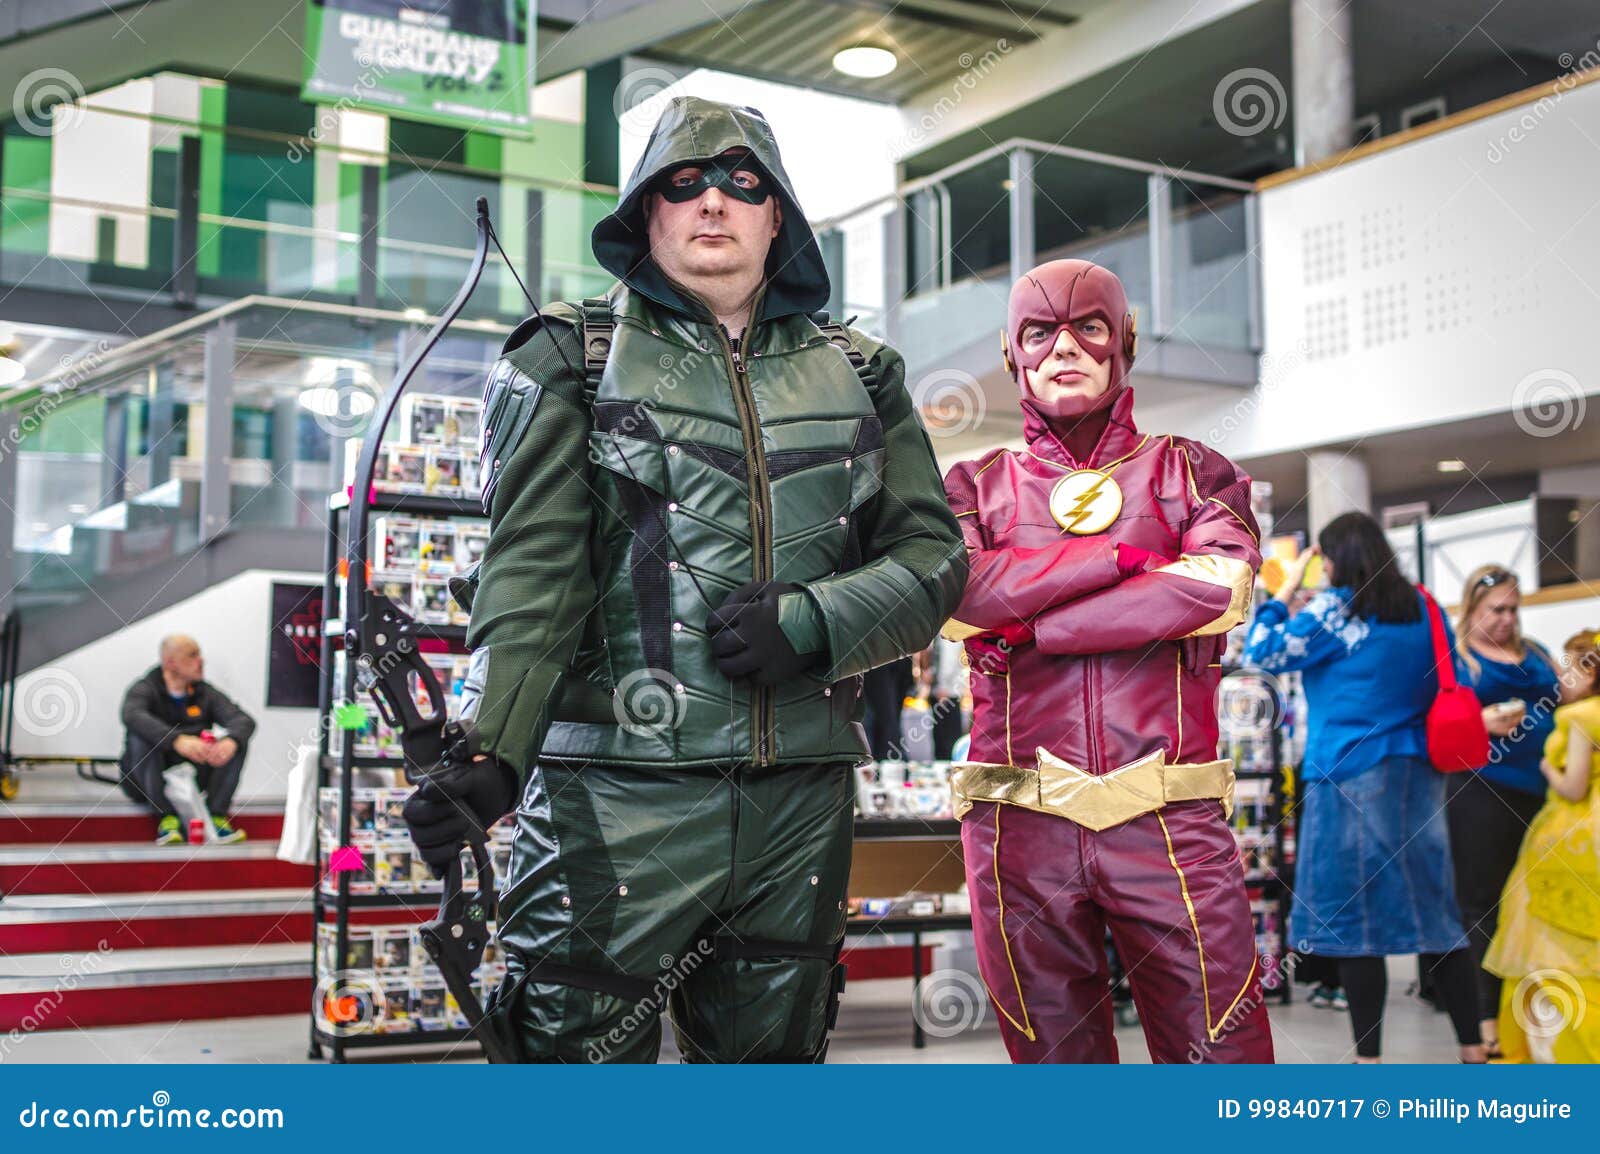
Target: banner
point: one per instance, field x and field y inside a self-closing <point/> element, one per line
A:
<point x="464" y="63"/>
<point x="295" y="653"/>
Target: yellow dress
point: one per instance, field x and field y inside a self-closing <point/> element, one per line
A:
<point x="1547" y="947"/>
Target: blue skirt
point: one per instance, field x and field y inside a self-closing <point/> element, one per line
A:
<point x="1372" y="873"/>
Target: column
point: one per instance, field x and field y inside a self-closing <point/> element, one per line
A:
<point x="1322" y="41"/>
<point x="1336" y="482"/>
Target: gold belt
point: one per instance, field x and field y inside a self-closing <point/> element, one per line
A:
<point x="1096" y="802"/>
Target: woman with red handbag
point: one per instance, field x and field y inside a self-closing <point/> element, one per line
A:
<point x="1373" y="876"/>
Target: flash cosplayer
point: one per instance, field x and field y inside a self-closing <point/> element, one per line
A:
<point x="709" y="516"/>
<point x="1106" y="566"/>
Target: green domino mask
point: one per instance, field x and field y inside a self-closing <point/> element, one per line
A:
<point x="688" y="181"/>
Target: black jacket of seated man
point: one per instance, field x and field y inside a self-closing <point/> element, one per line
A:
<point x="155" y="720"/>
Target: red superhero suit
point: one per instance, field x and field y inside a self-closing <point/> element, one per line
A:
<point x="1107" y="565"/>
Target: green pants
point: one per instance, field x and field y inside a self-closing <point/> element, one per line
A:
<point x="719" y="897"/>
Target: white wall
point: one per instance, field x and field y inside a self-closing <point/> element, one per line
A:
<point x="72" y="706"/>
<point x="1448" y="278"/>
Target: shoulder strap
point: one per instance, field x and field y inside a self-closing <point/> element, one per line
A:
<point x="598" y="326"/>
<point x="839" y="337"/>
<point x="1443" y="660"/>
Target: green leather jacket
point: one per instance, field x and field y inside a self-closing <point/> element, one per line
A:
<point x="626" y="504"/>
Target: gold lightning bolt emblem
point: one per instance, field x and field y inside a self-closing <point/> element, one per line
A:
<point x="1085" y="501"/>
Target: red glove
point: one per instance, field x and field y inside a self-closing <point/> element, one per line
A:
<point x="1132" y="560"/>
<point x="987" y="654"/>
<point x="991" y="652"/>
<point x="1015" y="634"/>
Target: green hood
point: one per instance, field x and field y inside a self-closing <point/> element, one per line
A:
<point x="694" y="129"/>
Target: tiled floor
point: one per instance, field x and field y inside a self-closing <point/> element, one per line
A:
<point x="874" y="1026"/>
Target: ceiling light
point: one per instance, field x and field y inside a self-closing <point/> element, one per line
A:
<point x="415" y="314"/>
<point x="1452" y="465"/>
<point x="865" y="62"/>
<point x="11" y="371"/>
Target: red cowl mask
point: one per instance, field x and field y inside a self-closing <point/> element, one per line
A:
<point x="1062" y="293"/>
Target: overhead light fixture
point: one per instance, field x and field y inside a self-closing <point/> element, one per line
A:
<point x="1452" y="465"/>
<point x="11" y="371"/>
<point x="865" y="62"/>
<point x="415" y="314"/>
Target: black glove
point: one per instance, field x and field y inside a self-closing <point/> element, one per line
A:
<point x="747" y="640"/>
<point x="462" y="800"/>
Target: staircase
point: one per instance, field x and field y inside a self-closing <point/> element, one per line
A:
<point x="99" y="927"/>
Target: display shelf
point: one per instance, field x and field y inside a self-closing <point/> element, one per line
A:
<point x="1260" y="752"/>
<point x="337" y="1042"/>
<point x="858" y="924"/>
<point x="338" y="770"/>
<point x="334" y="627"/>
<point x="385" y="901"/>
<point x="855" y="927"/>
<point x="423" y="504"/>
<point x="332" y="763"/>
<point x="899" y="828"/>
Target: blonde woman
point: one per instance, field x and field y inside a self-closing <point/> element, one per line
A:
<point x="1489" y="809"/>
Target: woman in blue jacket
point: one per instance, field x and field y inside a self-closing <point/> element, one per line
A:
<point x="1489" y="810"/>
<point x="1373" y="875"/>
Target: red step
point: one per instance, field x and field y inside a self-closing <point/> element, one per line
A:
<point x="141" y="1005"/>
<point x="78" y="823"/>
<point x="127" y="987"/>
<point x="65" y="924"/>
<point x="140" y="867"/>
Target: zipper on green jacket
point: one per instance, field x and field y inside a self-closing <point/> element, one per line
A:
<point x="760" y="516"/>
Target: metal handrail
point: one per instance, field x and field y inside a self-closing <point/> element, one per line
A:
<point x="1186" y="175"/>
<point x="306" y="143"/>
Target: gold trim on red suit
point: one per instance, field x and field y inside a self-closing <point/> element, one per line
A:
<point x="1095" y="801"/>
<point x="1230" y="573"/>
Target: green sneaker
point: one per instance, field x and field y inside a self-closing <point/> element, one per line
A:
<point x="225" y="832"/>
<point x="169" y="832"/>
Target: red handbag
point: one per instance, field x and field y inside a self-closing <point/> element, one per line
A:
<point x="1457" y="737"/>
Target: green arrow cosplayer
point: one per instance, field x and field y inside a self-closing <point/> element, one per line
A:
<point x="710" y="513"/>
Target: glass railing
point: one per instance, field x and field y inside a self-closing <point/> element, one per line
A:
<point x="931" y="266"/>
<point x="113" y="473"/>
<point x="284" y="216"/>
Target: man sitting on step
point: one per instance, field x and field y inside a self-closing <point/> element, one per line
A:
<point x="171" y="715"/>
